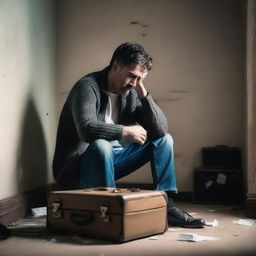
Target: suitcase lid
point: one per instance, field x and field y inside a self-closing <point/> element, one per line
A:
<point x="116" y="200"/>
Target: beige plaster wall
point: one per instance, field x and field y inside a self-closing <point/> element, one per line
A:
<point x="28" y="97"/>
<point x="197" y="78"/>
<point x="251" y="98"/>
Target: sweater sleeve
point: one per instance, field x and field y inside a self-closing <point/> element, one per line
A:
<point x="151" y="117"/>
<point x="84" y="111"/>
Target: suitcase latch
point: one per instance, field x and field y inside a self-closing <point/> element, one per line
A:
<point x="56" y="209"/>
<point x="104" y="216"/>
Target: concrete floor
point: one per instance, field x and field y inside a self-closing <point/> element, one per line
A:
<point x="233" y="239"/>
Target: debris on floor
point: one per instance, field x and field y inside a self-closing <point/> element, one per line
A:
<point x="214" y="223"/>
<point x="153" y="238"/>
<point x="39" y="211"/>
<point x="195" y="237"/>
<point x="245" y="222"/>
<point x="51" y="240"/>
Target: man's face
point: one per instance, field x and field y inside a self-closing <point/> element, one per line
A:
<point x="127" y="77"/>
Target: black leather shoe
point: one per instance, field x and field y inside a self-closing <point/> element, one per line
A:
<point x="180" y="218"/>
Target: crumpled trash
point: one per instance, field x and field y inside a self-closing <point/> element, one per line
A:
<point x="245" y="222"/>
<point x="190" y="237"/>
<point x="214" y="223"/>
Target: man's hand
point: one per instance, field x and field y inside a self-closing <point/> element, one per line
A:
<point x="140" y="88"/>
<point x="135" y="133"/>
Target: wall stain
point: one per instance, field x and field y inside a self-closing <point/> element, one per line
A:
<point x="139" y="24"/>
<point x="144" y="27"/>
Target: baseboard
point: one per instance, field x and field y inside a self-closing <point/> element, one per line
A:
<point x="250" y="205"/>
<point x="16" y="207"/>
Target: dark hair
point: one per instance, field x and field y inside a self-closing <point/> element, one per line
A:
<point x="128" y="53"/>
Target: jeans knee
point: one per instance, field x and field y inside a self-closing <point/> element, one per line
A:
<point x="166" y="141"/>
<point x="102" y="147"/>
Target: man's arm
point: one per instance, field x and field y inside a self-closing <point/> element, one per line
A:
<point x="135" y="133"/>
<point x="149" y="114"/>
<point x="84" y="112"/>
<point x="153" y="123"/>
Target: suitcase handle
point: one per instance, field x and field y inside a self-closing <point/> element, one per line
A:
<point x="82" y="219"/>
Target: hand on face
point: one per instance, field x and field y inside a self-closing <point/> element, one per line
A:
<point x="131" y="76"/>
<point x="140" y="88"/>
<point x="135" y="80"/>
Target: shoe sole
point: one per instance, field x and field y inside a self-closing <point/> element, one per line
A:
<point x="187" y="226"/>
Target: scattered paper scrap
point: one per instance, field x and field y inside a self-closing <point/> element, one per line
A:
<point x="221" y="179"/>
<point x="153" y="238"/>
<point x="245" y="222"/>
<point x="195" y="237"/>
<point x="208" y="184"/>
<point x="51" y="240"/>
<point x="214" y="223"/>
<point x="39" y="212"/>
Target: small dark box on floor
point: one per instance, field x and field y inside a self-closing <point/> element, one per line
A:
<point x="222" y="155"/>
<point x="218" y="185"/>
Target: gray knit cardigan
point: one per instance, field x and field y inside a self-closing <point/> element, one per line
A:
<point x="82" y="121"/>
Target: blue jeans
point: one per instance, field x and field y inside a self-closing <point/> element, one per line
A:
<point x="102" y="164"/>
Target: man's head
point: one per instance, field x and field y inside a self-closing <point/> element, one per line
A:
<point x="129" y="65"/>
<point x="131" y="53"/>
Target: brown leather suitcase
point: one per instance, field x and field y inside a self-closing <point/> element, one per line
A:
<point x="108" y="213"/>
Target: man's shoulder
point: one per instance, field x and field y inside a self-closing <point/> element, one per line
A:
<point x="95" y="79"/>
<point x="89" y="79"/>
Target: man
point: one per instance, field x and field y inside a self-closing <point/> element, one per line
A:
<point x="110" y="126"/>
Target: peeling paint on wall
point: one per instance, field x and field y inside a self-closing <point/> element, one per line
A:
<point x="139" y="24"/>
<point x="144" y="32"/>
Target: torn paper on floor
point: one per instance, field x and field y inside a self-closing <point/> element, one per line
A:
<point x="214" y="223"/>
<point x="39" y="212"/>
<point x="245" y="222"/>
<point x="196" y="238"/>
<point x="153" y="238"/>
